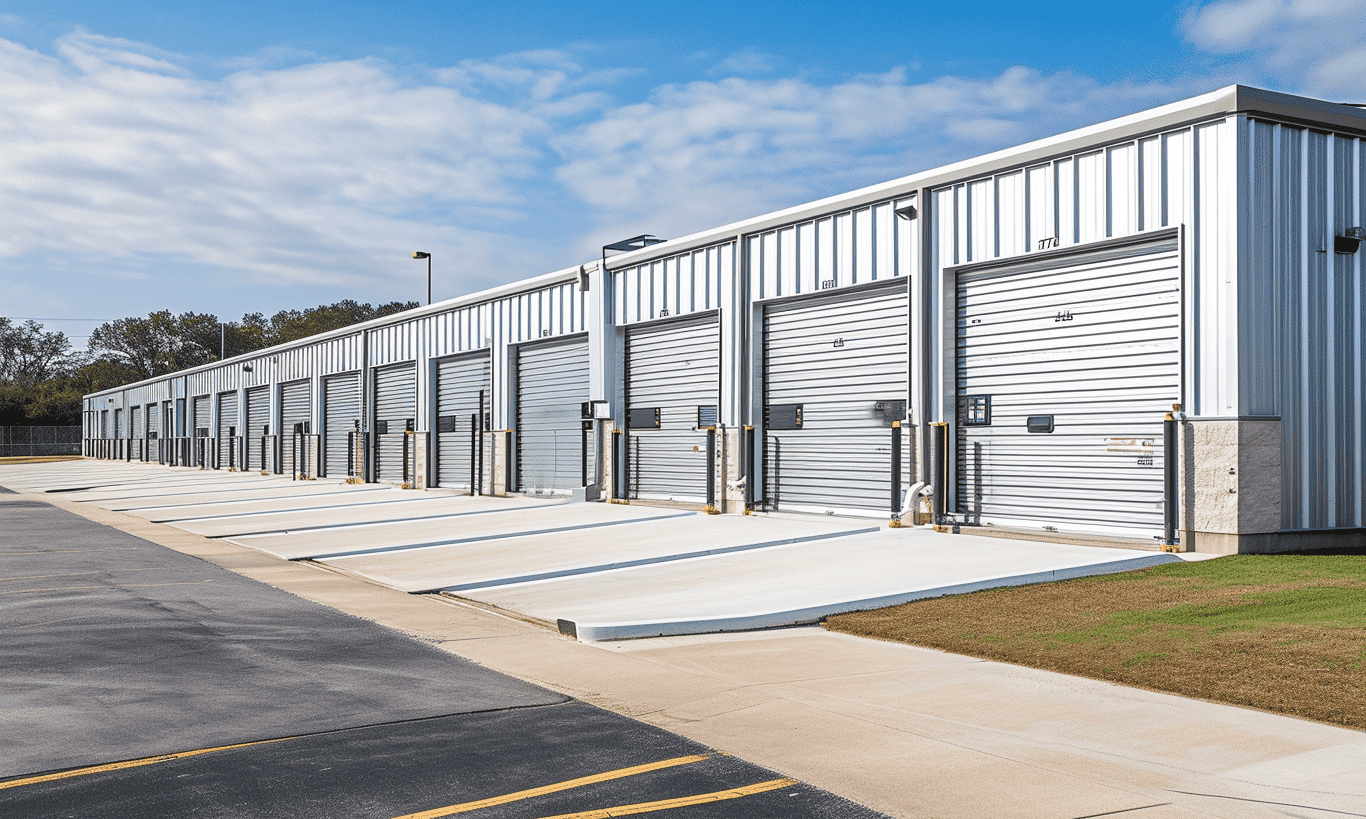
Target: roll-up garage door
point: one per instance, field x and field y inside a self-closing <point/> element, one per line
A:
<point x="673" y="373"/>
<point x="395" y="409"/>
<point x="341" y="411"/>
<point x="552" y="384"/>
<point x="296" y="407"/>
<point x="136" y="413"/>
<point x="835" y="379"/>
<point x="463" y="392"/>
<point x="119" y="428"/>
<point x="258" y="421"/>
<point x="229" y="451"/>
<point x="200" y="418"/>
<point x="1066" y="367"/>
<point x="153" y="421"/>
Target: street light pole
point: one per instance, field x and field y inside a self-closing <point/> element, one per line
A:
<point x="417" y="254"/>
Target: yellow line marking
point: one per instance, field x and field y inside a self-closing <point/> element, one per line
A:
<point x="465" y="807"/>
<point x="680" y="802"/>
<point x="71" y="551"/>
<point x="131" y="763"/>
<point x="122" y="586"/>
<point x="76" y="574"/>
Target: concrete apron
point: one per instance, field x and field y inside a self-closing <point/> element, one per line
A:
<point x="909" y="731"/>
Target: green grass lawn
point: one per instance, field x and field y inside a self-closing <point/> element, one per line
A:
<point x="1284" y="633"/>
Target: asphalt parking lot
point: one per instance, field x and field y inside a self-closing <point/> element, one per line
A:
<point x="132" y="670"/>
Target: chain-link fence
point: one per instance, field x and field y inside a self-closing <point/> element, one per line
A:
<point x="27" y="441"/>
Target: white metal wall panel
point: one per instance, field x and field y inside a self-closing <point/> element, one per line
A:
<point x="396" y="404"/>
<point x="552" y="383"/>
<point x="1092" y="339"/>
<point x="850" y="248"/>
<point x="229" y="427"/>
<point x="341" y="411"/>
<point x="837" y="355"/>
<point x="257" y="421"/>
<point x="678" y="285"/>
<point x="674" y="366"/>
<point x="464" y="392"/>
<point x="1303" y="308"/>
<point x="296" y="407"/>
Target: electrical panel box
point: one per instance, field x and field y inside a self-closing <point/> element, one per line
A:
<point x="783" y="416"/>
<point x="644" y="418"/>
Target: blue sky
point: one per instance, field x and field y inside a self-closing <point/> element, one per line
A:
<point x="257" y="156"/>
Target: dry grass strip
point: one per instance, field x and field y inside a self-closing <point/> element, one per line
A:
<point x="1283" y="633"/>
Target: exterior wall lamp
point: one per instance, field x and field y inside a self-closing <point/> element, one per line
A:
<point x="417" y="254"/>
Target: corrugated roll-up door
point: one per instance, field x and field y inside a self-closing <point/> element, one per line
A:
<point x="229" y="453"/>
<point x="395" y="406"/>
<point x="104" y="423"/>
<point x="200" y="414"/>
<point x="459" y="384"/>
<point x="136" y="413"/>
<point x="836" y="367"/>
<point x="1084" y="349"/>
<point x="296" y="407"/>
<point x="119" y="428"/>
<point x="154" y="421"/>
<point x="341" y="411"/>
<point x="552" y="384"/>
<point x="673" y="367"/>
<point x="258" y="419"/>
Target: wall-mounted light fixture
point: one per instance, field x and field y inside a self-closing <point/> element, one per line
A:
<point x="1349" y="241"/>
<point x="627" y="245"/>
<point x="906" y="212"/>
<point x="246" y="368"/>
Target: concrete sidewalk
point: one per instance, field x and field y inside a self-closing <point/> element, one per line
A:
<point x="912" y="732"/>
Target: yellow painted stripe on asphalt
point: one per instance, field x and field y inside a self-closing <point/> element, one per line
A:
<point x="118" y="586"/>
<point x="680" y="802"/>
<point x="131" y="763"/>
<point x="465" y="807"/>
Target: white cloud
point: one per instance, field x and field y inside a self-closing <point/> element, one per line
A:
<point x="700" y="154"/>
<point x="1312" y="46"/>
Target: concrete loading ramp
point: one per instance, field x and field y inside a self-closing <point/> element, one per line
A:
<point x="798" y="583"/>
<point x="170" y="498"/>
<point x="409" y="507"/>
<point x="350" y="496"/>
<point x="588" y="549"/>
<point x="498" y="519"/>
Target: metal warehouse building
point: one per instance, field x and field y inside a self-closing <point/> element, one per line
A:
<point x="1147" y="328"/>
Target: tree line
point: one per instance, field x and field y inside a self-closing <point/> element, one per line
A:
<point x="42" y="378"/>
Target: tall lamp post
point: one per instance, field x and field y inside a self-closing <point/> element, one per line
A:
<point x="417" y="254"/>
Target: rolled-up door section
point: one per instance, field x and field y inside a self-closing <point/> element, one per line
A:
<point x="229" y="453"/>
<point x="341" y="412"/>
<point x="257" y="422"/>
<point x="395" y="412"/>
<point x="552" y="384"/>
<point x="296" y="407"/>
<point x="1066" y="367"/>
<point x="463" y="390"/>
<point x="673" y="375"/>
<point x="836" y="377"/>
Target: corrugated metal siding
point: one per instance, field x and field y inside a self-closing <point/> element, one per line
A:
<point x="229" y="426"/>
<point x="395" y="403"/>
<point x="463" y="390"/>
<point x="1303" y="319"/>
<point x="552" y="383"/>
<point x="1093" y="340"/>
<point x="675" y="367"/>
<point x="837" y="355"/>
<point x="849" y="248"/>
<point x="341" y="410"/>
<point x="677" y="285"/>
<point x="1185" y="177"/>
<point x="154" y="421"/>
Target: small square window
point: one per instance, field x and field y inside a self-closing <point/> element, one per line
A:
<point x="975" y="410"/>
